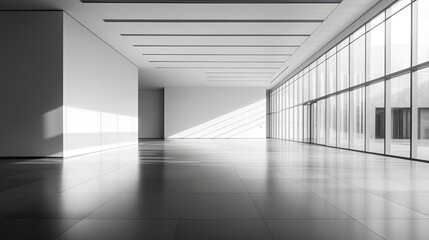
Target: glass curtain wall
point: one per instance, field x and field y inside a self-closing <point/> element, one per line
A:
<point x="369" y="93"/>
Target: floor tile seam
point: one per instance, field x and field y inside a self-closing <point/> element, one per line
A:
<point x="172" y="219"/>
<point x="98" y="177"/>
<point x="351" y="184"/>
<point x="186" y="193"/>
<point x="41" y="179"/>
<point x="27" y="205"/>
<point x="255" y="206"/>
<point x="175" y="218"/>
<point x="346" y="214"/>
<point x="9" y="177"/>
<point x="418" y="188"/>
<point x="53" y="195"/>
<point x="69" y="188"/>
<point x="397" y="202"/>
<point x="115" y="195"/>
<point x="42" y="218"/>
<point x="65" y="230"/>
<point x="7" y="190"/>
<point x="377" y="193"/>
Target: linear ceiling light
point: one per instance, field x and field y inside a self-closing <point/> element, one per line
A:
<point x="211" y="35"/>
<point x="265" y="73"/>
<point x="221" y="67"/>
<point x="214" y="54"/>
<point x="213" y="20"/>
<point x="232" y="77"/>
<point x="235" y="80"/>
<point x="217" y="61"/>
<point x="222" y="45"/>
<point x="214" y="1"/>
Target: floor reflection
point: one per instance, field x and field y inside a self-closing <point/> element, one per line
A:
<point x="215" y="189"/>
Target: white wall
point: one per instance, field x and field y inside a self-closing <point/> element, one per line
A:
<point x="151" y="114"/>
<point x="31" y="84"/>
<point x="100" y="93"/>
<point x="215" y="112"/>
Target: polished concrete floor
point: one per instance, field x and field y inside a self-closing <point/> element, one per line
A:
<point x="215" y="189"/>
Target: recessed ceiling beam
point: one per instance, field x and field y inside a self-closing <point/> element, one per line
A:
<point x="211" y="35"/>
<point x="215" y="1"/>
<point x="232" y="77"/>
<point x="217" y="61"/>
<point x="234" y="80"/>
<point x="265" y="73"/>
<point x="220" y="67"/>
<point x="213" y="20"/>
<point x="214" y="54"/>
<point x="221" y="45"/>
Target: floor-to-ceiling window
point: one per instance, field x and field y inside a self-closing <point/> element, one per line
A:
<point x="375" y="117"/>
<point x="421" y="114"/>
<point x="331" y="121"/>
<point x="357" y="119"/>
<point x="370" y="92"/>
<point x="398" y="116"/>
<point x="343" y="120"/>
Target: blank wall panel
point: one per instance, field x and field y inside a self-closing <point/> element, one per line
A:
<point x="215" y="113"/>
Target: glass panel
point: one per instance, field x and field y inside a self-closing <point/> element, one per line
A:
<point x="293" y="93"/>
<point x="396" y="7"/>
<point x="321" y="79"/>
<point x="421" y="114"/>
<point x="286" y="126"/>
<point x="321" y="122"/>
<point x="306" y="87"/>
<point x="331" y="52"/>
<point x="331" y="74"/>
<point x="308" y="122"/>
<point x="421" y="31"/>
<point x="375" y="21"/>
<point x="375" y="54"/>
<point x="281" y="123"/>
<point x="342" y="44"/>
<point x="313" y="65"/>
<point x="375" y="118"/>
<point x="357" y="119"/>
<point x="399" y="113"/>
<point x="343" y="69"/>
<point x="399" y="41"/>
<point x="282" y="120"/>
<point x="313" y="83"/>
<point x="300" y="125"/>
<point x="299" y="90"/>
<point x="357" y="33"/>
<point x="357" y="61"/>
<point x="313" y="123"/>
<point x="274" y="115"/>
<point x="321" y="59"/>
<point x="331" y="121"/>
<point x="295" y="123"/>
<point x="304" y="125"/>
<point x="291" y="125"/>
<point x="343" y="120"/>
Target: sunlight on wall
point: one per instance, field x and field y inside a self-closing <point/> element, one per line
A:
<point x="87" y="131"/>
<point x="246" y="122"/>
<point x="79" y="120"/>
<point x="52" y="123"/>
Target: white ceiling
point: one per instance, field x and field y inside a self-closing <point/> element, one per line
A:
<point x="210" y="45"/>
